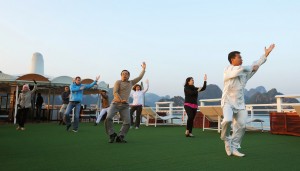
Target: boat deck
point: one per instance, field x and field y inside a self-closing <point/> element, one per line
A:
<point x="47" y="146"/>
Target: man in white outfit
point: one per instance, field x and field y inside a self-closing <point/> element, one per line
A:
<point x="233" y="104"/>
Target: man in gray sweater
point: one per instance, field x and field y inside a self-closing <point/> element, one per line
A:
<point x="120" y="104"/>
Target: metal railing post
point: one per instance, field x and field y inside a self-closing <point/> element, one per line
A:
<point x="170" y="108"/>
<point x="16" y="104"/>
<point x="279" y="102"/>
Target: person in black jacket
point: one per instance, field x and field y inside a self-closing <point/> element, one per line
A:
<point x="190" y="102"/>
<point x="39" y="104"/>
<point x="65" y="96"/>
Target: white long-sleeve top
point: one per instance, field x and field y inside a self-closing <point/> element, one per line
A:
<point x="25" y="97"/>
<point x="235" y="79"/>
<point x="138" y="97"/>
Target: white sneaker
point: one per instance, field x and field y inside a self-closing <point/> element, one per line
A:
<point x="191" y="135"/>
<point x="136" y="127"/>
<point x="228" y="148"/>
<point x="235" y="152"/>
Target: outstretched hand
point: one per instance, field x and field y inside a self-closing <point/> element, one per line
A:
<point x="144" y="65"/>
<point x="147" y="81"/>
<point x="205" y="77"/>
<point x="269" y="49"/>
<point x="98" y="77"/>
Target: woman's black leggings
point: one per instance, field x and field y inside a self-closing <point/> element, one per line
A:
<point x="138" y="113"/>
<point x="191" y="112"/>
<point x="22" y="116"/>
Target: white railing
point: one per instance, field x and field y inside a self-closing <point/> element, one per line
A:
<point x="170" y="106"/>
<point x="202" y="102"/>
<point x="279" y="99"/>
<point x="279" y="107"/>
<point x="171" y="110"/>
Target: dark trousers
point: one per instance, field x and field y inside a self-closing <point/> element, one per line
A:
<point x="138" y="113"/>
<point x="191" y="112"/>
<point x="38" y="112"/>
<point x="22" y="116"/>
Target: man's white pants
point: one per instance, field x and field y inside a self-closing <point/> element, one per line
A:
<point x="103" y="111"/>
<point x="238" y="119"/>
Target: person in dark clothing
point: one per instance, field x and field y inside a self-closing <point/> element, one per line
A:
<point x="190" y="102"/>
<point x="39" y="103"/>
<point x="65" y="96"/>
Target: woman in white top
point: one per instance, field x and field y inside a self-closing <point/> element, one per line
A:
<point x="137" y="104"/>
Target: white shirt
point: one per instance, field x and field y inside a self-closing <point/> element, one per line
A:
<point x="138" y="97"/>
<point x="235" y="79"/>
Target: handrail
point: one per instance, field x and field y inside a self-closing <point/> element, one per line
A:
<point x="288" y="96"/>
<point x="210" y="100"/>
<point x="170" y="109"/>
<point x="251" y="108"/>
<point x="279" y="99"/>
<point x="163" y="102"/>
<point x="202" y="102"/>
<point x="169" y="103"/>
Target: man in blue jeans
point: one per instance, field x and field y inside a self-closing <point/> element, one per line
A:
<point x="76" y="89"/>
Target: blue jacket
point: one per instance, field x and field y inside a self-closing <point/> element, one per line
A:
<point x="76" y="93"/>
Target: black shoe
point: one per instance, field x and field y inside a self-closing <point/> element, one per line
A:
<point x="68" y="127"/>
<point x="120" y="139"/>
<point x="112" y="138"/>
<point x="95" y="124"/>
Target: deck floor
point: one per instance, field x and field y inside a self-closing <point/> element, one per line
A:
<point x="47" y="146"/>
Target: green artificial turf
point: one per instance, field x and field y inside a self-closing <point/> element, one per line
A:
<point x="47" y="146"/>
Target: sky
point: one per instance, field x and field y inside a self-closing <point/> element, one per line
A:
<point x="176" y="38"/>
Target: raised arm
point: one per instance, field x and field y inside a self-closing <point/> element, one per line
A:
<point x="147" y="86"/>
<point x="88" y="86"/>
<point x="263" y="58"/>
<point x="34" y="88"/>
<point x="261" y="61"/>
<point x="269" y="50"/>
<point x="137" y="79"/>
<point x="255" y="66"/>
<point x="204" y="84"/>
